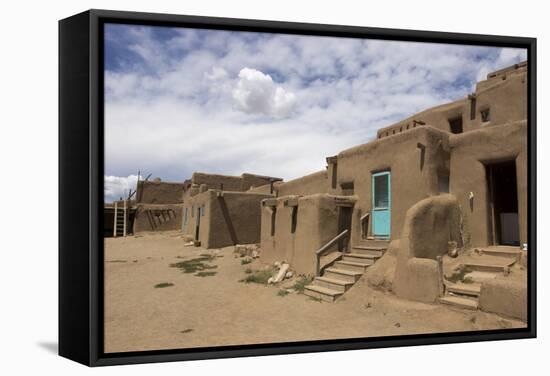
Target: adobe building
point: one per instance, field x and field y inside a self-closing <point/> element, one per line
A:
<point x="459" y="169"/>
<point x="155" y="205"/>
<point x="407" y="209"/>
<point x="159" y="206"/>
<point x="214" y="210"/>
<point x="221" y="210"/>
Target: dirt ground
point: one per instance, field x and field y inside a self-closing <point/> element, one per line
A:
<point x="219" y="310"/>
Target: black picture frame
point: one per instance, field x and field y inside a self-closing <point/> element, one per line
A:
<point x="81" y="186"/>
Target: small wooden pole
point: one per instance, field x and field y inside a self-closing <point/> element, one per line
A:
<point x="125" y="216"/>
<point x="114" y="225"/>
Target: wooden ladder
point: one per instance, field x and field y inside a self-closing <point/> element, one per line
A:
<point x="120" y="218"/>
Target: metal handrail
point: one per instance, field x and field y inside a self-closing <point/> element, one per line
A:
<point x="324" y="248"/>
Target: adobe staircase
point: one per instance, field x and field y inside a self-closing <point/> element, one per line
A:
<point x="342" y="274"/>
<point x="486" y="264"/>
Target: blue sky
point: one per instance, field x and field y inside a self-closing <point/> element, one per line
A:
<point x="181" y="100"/>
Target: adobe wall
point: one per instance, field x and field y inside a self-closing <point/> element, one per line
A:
<point x="414" y="172"/>
<point x="231" y="219"/>
<point x="234" y="212"/>
<point x="305" y="185"/>
<point x="265" y="189"/>
<point x="505" y="296"/>
<point x="151" y="217"/>
<point x="317" y="223"/>
<point x="189" y="214"/>
<point x="214" y="181"/>
<point x="436" y="117"/>
<point x="251" y="180"/>
<point x="229" y="183"/>
<point x="429" y="226"/>
<point x="159" y="192"/>
<point x="469" y="153"/>
<point x="506" y="99"/>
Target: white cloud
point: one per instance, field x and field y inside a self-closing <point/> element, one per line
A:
<point x="256" y="93"/>
<point x="117" y="187"/>
<point x="216" y="73"/>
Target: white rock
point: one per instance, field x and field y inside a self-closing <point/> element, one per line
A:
<point x="281" y="273"/>
<point x="289" y="274"/>
<point x="270" y="280"/>
<point x="255" y="254"/>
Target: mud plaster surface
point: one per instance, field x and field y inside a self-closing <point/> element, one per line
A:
<point x="220" y="310"/>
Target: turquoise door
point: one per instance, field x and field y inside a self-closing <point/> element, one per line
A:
<point x="381" y="204"/>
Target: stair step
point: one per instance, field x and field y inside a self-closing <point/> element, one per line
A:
<point x="483" y="267"/>
<point x="473" y="289"/>
<point x="509" y="252"/>
<point x="368" y="250"/>
<point x="358" y="257"/>
<point x="333" y="283"/>
<point x="377" y="239"/>
<point x="326" y="294"/>
<point x="350" y="265"/>
<point x="342" y="274"/>
<point x="371" y="247"/>
<point x="459" y="302"/>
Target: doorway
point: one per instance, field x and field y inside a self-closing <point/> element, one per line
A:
<point x="381" y="205"/>
<point x="344" y="223"/>
<point x="503" y="203"/>
<point x="198" y="223"/>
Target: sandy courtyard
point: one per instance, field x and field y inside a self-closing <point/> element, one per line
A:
<point x="217" y="309"/>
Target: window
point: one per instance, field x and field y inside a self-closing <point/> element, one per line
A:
<point x="347" y="188"/>
<point x="273" y="217"/>
<point x="443" y="183"/>
<point x="334" y="175"/>
<point x="193" y="211"/>
<point x="202" y="211"/>
<point x="485" y="115"/>
<point x="185" y="213"/>
<point x="294" y="219"/>
<point x="456" y="125"/>
<point x="381" y="187"/>
<point x="473" y="102"/>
